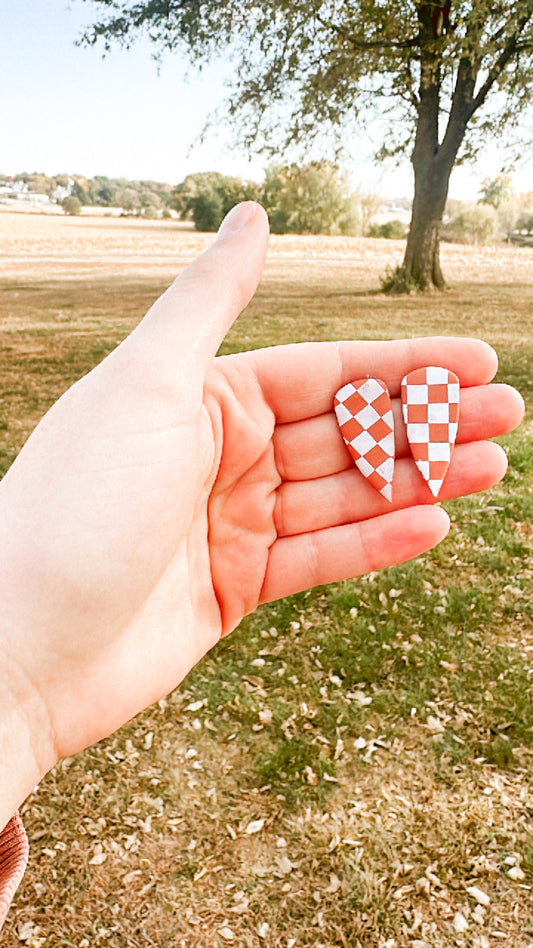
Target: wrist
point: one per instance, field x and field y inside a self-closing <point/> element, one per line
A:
<point x="26" y="748"/>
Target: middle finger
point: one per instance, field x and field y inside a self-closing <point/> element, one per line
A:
<point x="314" y="447"/>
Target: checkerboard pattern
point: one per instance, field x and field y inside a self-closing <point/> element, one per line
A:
<point x="430" y="404"/>
<point x="364" y="414"/>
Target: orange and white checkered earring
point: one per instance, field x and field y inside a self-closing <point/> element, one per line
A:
<point x="364" y="415"/>
<point x="430" y="404"/>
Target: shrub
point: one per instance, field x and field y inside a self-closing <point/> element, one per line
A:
<point x="311" y="199"/>
<point x="129" y="200"/>
<point x="395" y="280"/>
<point x="71" y="205"/>
<point x="392" y="230"/>
<point x="473" y="224"/>
<point x="508" y="213"/>
<point x="207" y="197"/>
<point x="525" y="222"/>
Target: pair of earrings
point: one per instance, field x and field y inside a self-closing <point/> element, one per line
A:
<point x="430" y="405"/>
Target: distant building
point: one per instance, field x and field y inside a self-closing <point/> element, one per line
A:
<point x="12" y="190"/>
<point x="61" y="193"/>
<point x="35" y="199"/>
<point x="20" y="191"/>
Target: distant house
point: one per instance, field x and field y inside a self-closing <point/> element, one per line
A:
<point x="35" y="199"/>
<point x="12" y="190"/>
<point x="61" y="193"/>
<point x="19" y="191"/>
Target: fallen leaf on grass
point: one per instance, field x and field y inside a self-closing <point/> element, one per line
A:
<point x="460" y="923"/>
<point x="98" y="859"/>
<point x="254" y="680"/>
<point x="478" y="895"/>
<point x="285" y="866"/>
<point x="196" y="705"/>
<point x="360" y="698"/>
<point x="226" y="933"/>
<point x="334" y="884"/>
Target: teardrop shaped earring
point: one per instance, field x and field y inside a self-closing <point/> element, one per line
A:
<point x="430" y="405"/>
<point x="364" y="415"/>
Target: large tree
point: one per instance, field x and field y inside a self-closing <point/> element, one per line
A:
<point x="445" y="75"/>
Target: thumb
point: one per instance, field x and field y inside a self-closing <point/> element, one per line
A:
<point x="194" y="314"/>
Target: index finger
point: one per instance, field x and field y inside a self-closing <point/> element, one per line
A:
<point x="300" y="380"/>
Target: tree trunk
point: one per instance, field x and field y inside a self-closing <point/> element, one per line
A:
<point x="432" y="160"/>
<point x="421" y="266"/>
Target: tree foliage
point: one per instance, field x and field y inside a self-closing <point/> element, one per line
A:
<point x="444" y="74"/>
<point x="311" y="199"/>
<point x="495" y="190"/>
<point x="511" y="207"/>
<point x="135" y="197"/>
<point x="325" y="62"/>
<point x="71" y="205"/>
<point x="473" y="224"/>
<point x="314" y="198"/>
<point x="207" y="197"/>
<point x="525" y="222"/>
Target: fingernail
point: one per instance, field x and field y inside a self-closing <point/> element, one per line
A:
<point x="238" y="218"/>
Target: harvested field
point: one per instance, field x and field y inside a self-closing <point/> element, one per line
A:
<point x="52" y="239"/>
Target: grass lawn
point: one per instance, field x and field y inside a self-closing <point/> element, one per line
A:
<point x="353" y="766"/>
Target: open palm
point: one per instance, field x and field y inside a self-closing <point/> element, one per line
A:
<point x="169" y="492"/>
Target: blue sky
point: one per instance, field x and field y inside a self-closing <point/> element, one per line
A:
<point x="65" y="108"/>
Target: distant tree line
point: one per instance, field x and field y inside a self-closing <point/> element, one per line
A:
<point x="142" y="198"/>
<point x="137" y="198"/>
<point x="315" y="198"/>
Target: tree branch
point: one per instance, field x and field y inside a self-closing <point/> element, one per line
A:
<point x="381" y="44"/>
<point x="508" y="51"/>
<point x="464" y="102"/>
<point x="357" y="43"/>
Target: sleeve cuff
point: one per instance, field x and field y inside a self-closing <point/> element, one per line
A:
<point x="13" y="861"/>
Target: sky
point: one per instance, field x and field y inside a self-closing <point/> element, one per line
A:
<point x="68" y="109"/>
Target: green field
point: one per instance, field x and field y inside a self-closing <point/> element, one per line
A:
<point x="353" y="766"/>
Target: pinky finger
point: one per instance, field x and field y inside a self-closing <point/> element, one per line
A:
<point x="326" y="556"/>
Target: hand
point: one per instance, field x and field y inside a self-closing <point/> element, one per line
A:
<point x="169" y="492"/>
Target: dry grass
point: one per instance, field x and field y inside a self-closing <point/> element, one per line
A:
<point x="353" y="766"/>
